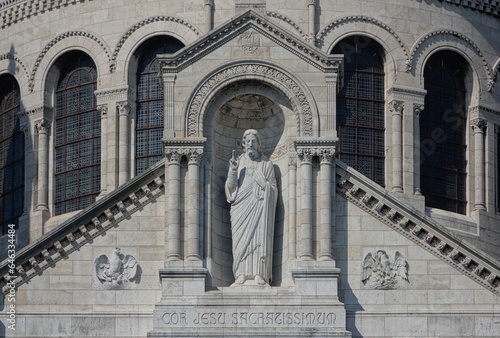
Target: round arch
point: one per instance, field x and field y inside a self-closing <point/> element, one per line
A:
<point x="300" y="98"/>
<point x="12" y="65"/>
<point x="395" y="50"/>
<point x="146" y="29"/>
<point x="81" y="41"/>
<point x="436" y="41"/>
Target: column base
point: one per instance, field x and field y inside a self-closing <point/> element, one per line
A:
<point x="310" y="308"/>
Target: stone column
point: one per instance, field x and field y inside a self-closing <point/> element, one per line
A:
<point x="396" y="108"/>
<point x="43" y="127"/>
<point x="103" y="109"/>
<point x="124" y="142"/>
<point x="325" y="205"/>
<point x="193" y="204"/>
<point x="168" y="90"/>
<point x="331" y="107"/>
<point x="208" y="15"/>
<point x="417" y="109"/>
<point x="311" y="4"/>
<point x="173" y="211"/>
<point x="305" y="214"/>
<point x="479" y="126"/>
<point x="292" y="206"/>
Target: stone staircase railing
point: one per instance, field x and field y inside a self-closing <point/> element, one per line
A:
<point x="417" y="227"/>
<point x="83" y="227"/>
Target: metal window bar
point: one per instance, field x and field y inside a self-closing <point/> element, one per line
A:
<point x="360" y="109"/>
<point x="443" y="161"/>
<point x="11" y="157"/>
<point x="77" y="140"/>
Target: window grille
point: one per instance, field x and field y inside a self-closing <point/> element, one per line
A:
<point x="11" y="154"/>
<point x="442" y="133"/>
<point x="360" y="108"/>
<point x="149" y="119"/>
<point x="77" y="136"/>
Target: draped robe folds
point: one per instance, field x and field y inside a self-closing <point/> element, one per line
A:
<point x="253" y="211"/>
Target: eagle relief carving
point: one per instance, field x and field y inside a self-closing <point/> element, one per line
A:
<point x="382" y="274"/>
<point x="118" y="271"/>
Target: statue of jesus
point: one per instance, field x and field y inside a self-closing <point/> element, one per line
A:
<point x="252" y="192"/>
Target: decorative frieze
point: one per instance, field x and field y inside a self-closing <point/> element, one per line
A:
<point x="303" y="108"/>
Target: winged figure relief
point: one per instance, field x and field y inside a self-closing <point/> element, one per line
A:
<point x="117" y="269"/>
<point x="380" y="273"/>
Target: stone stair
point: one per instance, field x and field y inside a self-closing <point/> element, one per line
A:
<point x="83" y="227"/>
<point x="417" y="227"/>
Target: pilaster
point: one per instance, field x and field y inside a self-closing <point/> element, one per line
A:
<point x="123" y="141"/>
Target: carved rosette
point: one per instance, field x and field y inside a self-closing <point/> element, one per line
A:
<point x="478" y="125"/>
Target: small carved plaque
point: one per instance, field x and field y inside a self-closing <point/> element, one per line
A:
<point x="250" y="43"/>
<point x="118" y="271"/>
<point x="382" y="274"/>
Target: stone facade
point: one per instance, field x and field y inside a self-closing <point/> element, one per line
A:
<point x="351" y="258"/>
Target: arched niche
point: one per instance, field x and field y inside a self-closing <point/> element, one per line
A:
<point x="235" y="108"/>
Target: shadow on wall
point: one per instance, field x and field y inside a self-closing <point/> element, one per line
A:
<point x="13" y="178"/>
<point x="346" y="293"/>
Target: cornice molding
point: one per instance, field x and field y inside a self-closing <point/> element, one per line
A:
<point x="110" y="94"/>
<point x="407" y="93"/>
<point x="250" y="20"/>
<point x="418" y="228"/>
<point x="479" y="110"/>
<point x="57" y="39"/>
<point x="450" y="33"/>
<point x="40" y="111"/>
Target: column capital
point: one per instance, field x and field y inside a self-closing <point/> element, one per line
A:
<point x="192" y="148"/>
<point x="307" y="149"/>
<point x="103" y="110"/>
<point x="42" y="126"/>
<point x="292" y="161"/>
<point x="396" y="107"/>
<point x="311" y="2"/>
<point x="497" y="131"/>
<point x="478" y="125"/>
<point x="209" y="2"/>
<point x="123" y="107"/>
<point x="417" y="109"/>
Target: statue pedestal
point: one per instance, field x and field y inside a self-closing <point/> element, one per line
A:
<point x="310" y="308"/>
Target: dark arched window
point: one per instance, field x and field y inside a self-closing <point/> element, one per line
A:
<point x="77" y="135"/>
<point x="149" y="122"/>
<point x="442" y="133"/>
<point x="11" y="154"/>
<point x="360" y="107"/>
